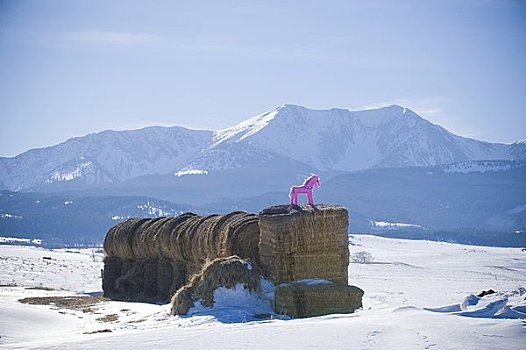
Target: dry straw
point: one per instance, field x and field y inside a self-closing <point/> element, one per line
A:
<point x="221" y="272"/>
<point x="189" y="256"/>
<point x="150" y="259"/>
<point x="304" y="242"/>
<point x="301" y="300"/>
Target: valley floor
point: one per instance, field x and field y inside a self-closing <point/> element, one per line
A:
<point x="417" y="296"/>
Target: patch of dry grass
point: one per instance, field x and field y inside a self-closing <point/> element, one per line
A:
<point x="99" y="331"/>
<point x="108" y="318"/>
<point x="82" y="303"/>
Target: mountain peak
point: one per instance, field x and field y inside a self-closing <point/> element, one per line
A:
<point x="292" y="107"/>
<point x="246" y="128"/>
<point x="395" y="107"/>
<point x="392" y="109"/>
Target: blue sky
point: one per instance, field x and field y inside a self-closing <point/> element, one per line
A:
<point x="69" y="68"/>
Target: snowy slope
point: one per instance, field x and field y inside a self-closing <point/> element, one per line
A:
<point x="287" y="137"/>
<point x="339" y="139"/>
<point x="108" y="156"/>
<point x="418" y="295"/>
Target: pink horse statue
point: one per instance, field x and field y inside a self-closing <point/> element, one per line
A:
<point x="311" y="182"/>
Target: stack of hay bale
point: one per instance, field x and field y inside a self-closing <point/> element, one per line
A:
<point x="150" y="259"/>
<point x="188" y="256"/>
<point x="302" y="243"/>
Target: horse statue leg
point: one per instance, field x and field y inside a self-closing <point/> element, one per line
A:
<point x="309" y="197"/>
<point x="295" y="198"/>
<point x="293" y="194"/>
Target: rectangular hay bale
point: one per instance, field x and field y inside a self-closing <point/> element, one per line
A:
<point x="301" y="300"/>
<point x="299" y="242"/>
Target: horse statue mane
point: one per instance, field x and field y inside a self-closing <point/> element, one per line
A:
<point x="307" y="180"/>
<point x="307" y="187"/>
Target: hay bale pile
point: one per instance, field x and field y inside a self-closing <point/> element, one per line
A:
<point x="189" y="256"/>
<point x="304" y="242"/>
<point x="303" y="300"/>
<point x="150" y="259"/>
<point x="221" y="272"/>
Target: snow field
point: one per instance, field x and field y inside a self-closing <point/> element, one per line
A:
<point x="418" y="295"/>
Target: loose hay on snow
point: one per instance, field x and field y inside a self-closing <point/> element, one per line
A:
<point x="221" y="272"/>
<point x="304" y="242"/>
<point x="83" y="303"/>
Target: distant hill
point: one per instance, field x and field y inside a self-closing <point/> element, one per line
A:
<point x="73" y="219"/>
<point x="476" y="202"/>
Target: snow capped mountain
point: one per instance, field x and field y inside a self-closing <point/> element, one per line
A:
<point x="291" y="137"/>
<point x="339" y="139"/>
<point x="108" y="156"/>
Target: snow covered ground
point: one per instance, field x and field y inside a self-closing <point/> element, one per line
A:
<point x="418" y="295"/>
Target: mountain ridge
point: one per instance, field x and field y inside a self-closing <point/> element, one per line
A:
<point x="288" y="136"/>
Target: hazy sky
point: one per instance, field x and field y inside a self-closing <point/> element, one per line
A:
<point x="68" y="68"/>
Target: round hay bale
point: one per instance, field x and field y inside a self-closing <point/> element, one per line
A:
<point x="149" y="238"/>
<point x="122" y="239"/>
<point x="156" y="237"/>
<point x="245" y="240"/>
<point x="200" y="240"/>
<point x="230" y="231"/>
<point x="187" y="237"/>
<point x="169" y="246"/>
<point x="187" y="241"/>
<point x="184" y="237"/>
<point x="139" y="239"/>
<point x="217" y="232"/>
<point x="108" y="244"/>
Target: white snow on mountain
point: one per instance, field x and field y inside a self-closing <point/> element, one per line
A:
<point x="244" y="129"/>
<point x="150" y="209"/>
<point x="289" y="136"/>
<point x="480" y="166"/>
<point x="343" y="140"/>
<point x="20" y="241"/>
<point x="392" y="225"/>
<point x="190" y="172"/>
<point x="109" y="156"/>
<point x="76" y="171"/>
<point x="10" y="216"/>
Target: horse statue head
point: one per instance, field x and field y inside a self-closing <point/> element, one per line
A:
<point x="314" y="180"/>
